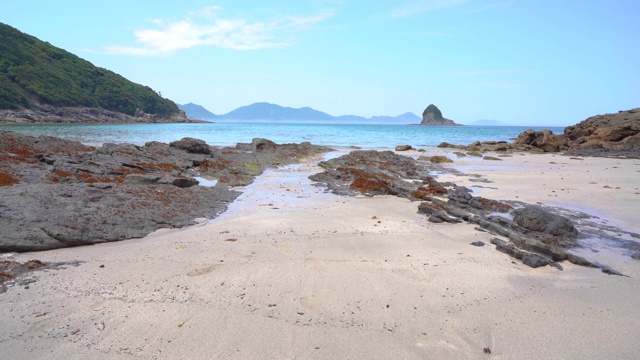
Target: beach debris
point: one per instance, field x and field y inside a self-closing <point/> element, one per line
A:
<point x="487" y="350"/>
<point x="76" y="331"/>
<point x="101" y="326"/>
<point x="181" y="324"/>
<point x="231" y="240"/>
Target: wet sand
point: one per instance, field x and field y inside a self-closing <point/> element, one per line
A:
<point x="292" y="272"/>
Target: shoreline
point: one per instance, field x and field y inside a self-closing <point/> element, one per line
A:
<point x="292" y="271"/>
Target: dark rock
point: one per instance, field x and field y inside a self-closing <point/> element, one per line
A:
<point x="544" y="140"/>
<point x="191" y="145"/>
<point x="478" y="243"/>
<point x="371" y="173"/>
<point x="440" y="159"/>
<point x="491" y="158"/>
<point x="535" y="218"/>
<point x="263" y="145"/>
<point x="82" y="195"/>
<point x="537" y="235"/>
<point x="403" y="147"/>
<point x="535" y="260"/>
<point x="141" y="179"/>
<point x="181" y="182"/>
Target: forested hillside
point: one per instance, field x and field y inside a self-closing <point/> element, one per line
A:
<point x="35" y="72"/>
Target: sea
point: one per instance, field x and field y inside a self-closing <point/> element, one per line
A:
<point x="365" y="136"/>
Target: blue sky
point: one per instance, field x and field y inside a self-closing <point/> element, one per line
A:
<point x="522" y="62"/>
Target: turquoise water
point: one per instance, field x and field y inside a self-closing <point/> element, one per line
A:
<point x="228" y="134"/>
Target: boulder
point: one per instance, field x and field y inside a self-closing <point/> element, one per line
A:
<point x="403" y="147"/>
<point x="191" y="145"/>
<point x="544" y="140"/>
<point x="438" y="159"/>
<point x="535" y="218"/>
<point x="263" y="145"/>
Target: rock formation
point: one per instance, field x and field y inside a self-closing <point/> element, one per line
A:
<point x="534" y="234"/>
<point x="432" y="116"/>
<point x="609" y="135"/>
<point x="58" y="193"/>
<point x="46" y="114"/>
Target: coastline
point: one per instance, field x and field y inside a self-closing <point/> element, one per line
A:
<point x="292" y="271"/>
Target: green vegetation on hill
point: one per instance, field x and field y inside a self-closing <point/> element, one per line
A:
<point x="35" y="72"/>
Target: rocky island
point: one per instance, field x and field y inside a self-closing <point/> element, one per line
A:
<point x="432" y="116"/>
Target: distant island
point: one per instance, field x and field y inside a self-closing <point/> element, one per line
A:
<point x="432" y="116"/>
<point x="40" y="83"/>
<point x="263" y="111"/>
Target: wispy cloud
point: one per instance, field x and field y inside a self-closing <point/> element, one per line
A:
<point x="420" y="6"/>
<point x="491" y="72"/>
<point x="206" y="27"/>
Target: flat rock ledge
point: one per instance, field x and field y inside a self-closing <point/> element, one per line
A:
<point x="58" y="193"/>
<point x="536" y="235"/>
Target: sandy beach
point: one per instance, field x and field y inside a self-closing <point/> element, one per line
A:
<point x="293" y="272"/>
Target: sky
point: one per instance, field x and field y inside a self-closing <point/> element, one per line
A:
<point x="521" y="62"/>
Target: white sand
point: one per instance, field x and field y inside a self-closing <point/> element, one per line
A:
<point x="316" y="276"/>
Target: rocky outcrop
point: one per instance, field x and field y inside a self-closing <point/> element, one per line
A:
<point x="191" y="145"/>
<point x="544" y="140"/>
<point x="606" y="135"/>
<point x="371" y="173"/>
<point x="432" y="116"/>
<point x="601" y="135"/>
<point x="47" y="114"/>
<point x="534" y="234"/>
<point x="609" y="135"/>
<point x="57" y="193"/>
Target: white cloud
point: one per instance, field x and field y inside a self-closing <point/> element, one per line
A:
<point x="420" y="6"/>
<point x="206" y="28"/>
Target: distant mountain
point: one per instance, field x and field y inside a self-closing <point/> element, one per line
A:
<point x="487" y="122"/>
<point x="267" y="111"/>
<point x="407" y="117"/>
<point x="264" y="111"/>
<point x="197" y="112"/>
<point x="36" y="75"/>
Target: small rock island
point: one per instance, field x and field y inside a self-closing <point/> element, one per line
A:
<point x="432" y="116"/>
